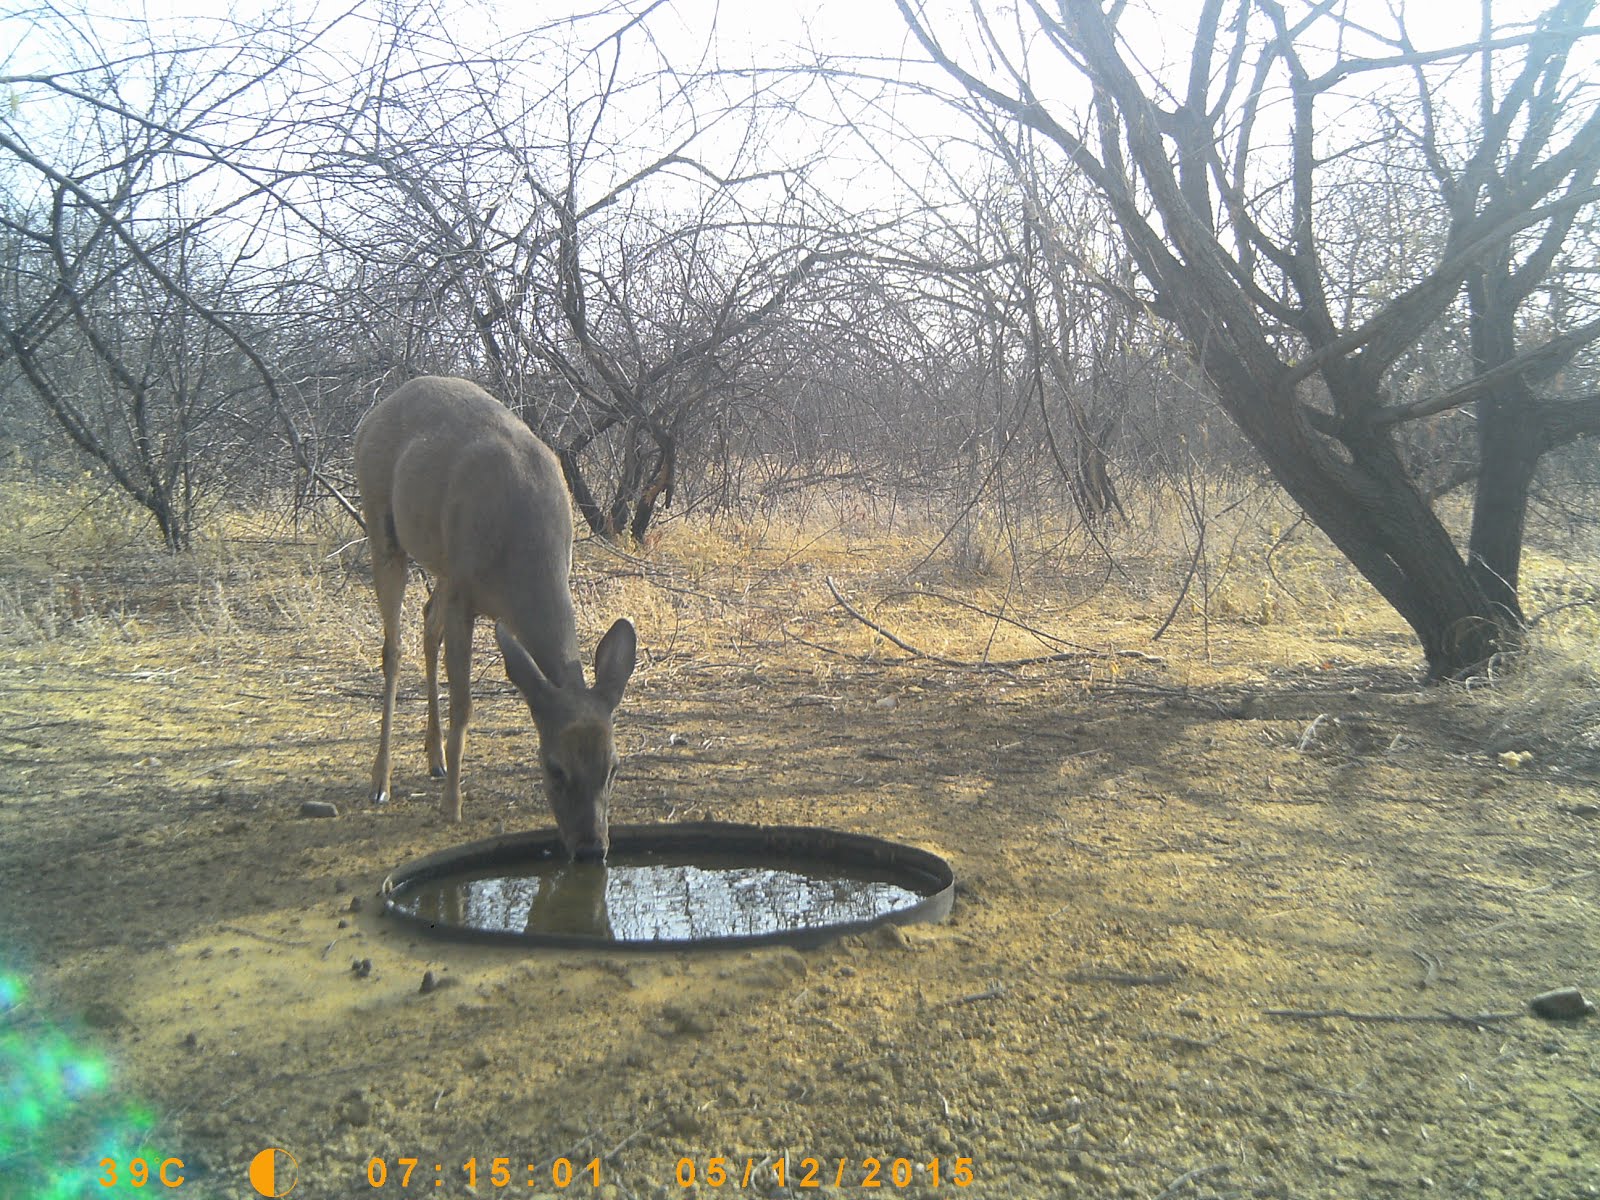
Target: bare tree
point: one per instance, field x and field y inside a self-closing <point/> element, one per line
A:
<point x="593" y="239"/>
<point x="1222" y="171"/>
<point x="131" y="182"/>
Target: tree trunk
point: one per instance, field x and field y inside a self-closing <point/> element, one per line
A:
<point x="1509" y="443"/>
<point x="588" y="508"/>
<point x="1374" y="514"/>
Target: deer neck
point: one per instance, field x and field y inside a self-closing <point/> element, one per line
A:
<point x="545" y="625"/>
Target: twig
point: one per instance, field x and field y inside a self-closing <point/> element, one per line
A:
<point x="1180" y="1039"/>
<point x="647" y="1127"/>
<point x="1550" y="612"/>
<point x="1199" y="549"/>
<point x="1127" y="978"/>
<point x="264" y="937"/>
<point x="1430" y="968"/>
<point x="1310" y="734"/>
<point x="1562" y="882"/>
<point x="1188" y="1177"/>
<point x="994" y="993"/>
<point x="1276" y="546"/>
<point x="834" y="650"/>
<point x="1477" y="1021"/>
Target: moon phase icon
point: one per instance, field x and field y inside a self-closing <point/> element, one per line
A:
<point x="274" y="1172"/>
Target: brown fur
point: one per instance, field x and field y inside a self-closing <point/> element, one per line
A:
<point x="453" y="480"/>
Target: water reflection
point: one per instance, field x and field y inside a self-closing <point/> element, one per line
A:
<point x="646" y="898"/>
<point x="570" y="899"/>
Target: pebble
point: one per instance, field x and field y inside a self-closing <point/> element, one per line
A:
<point x="318" y="808"/>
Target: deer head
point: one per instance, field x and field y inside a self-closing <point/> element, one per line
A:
<point x="576" y="747"/>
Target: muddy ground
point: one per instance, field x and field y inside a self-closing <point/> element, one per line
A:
<point x="1155" y="854"/>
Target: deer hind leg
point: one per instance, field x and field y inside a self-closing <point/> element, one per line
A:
<point x="389" y="579"/>
<point x="432" y="635"/>
<point x="456" y="620"/>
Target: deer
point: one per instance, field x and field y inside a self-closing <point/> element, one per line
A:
<point x="451" y="479"/>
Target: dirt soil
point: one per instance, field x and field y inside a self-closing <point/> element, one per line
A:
<point x="1165" y="863"/>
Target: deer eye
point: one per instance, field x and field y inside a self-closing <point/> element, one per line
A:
<point x="557" y="775"/>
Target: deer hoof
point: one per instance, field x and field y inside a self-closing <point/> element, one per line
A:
<point x="437" y="772"/>
<point x="380" y="796"/>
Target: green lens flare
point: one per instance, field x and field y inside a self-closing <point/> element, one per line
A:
<point x="60" y="1116"/>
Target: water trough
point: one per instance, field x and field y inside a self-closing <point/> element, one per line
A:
<point x="695" y="885"/>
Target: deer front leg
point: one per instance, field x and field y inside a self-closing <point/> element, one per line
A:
<point x="389" y="580"/>
<point x="457" y="625"/>
<point x="432" y="635"/>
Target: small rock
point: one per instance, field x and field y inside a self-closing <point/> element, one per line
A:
<point x="1562" y="1004"/>
<point x="886" y="702"/>
<point x="1512" y="760"/>
<point x="318" y="808"/>
<point x="432" y="982"/>
<point x="361" y="968"/>
<point x="354" y="905"/>
<point x="676" y="740"/>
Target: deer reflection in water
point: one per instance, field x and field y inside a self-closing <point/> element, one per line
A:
<point x="571" y="899"/>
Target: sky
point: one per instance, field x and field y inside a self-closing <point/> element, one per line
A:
<point x="735" y="37"/>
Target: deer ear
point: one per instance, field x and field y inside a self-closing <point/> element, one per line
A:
<point x="613" y="661"/>
<point x="523" y="671"/>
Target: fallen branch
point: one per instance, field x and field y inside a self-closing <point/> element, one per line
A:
<point x="882" y="632"/>
<point x="1478" y="1021"/>
<point x="1003" y="665"/>
<point x="1075" y="653"/>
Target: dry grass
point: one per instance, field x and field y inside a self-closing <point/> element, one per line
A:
<point x="1264" y="593"/>
<point x="1262" y="809"/>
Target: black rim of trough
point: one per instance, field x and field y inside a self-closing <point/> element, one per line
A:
<point x="916" y="870"/>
